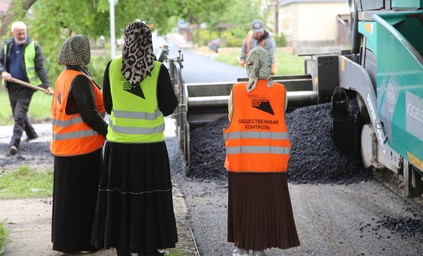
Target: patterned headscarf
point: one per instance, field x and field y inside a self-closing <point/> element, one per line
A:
<point x="137" y="53"/>
<point x="75" y="51"/>
<point x="259" y="66"/>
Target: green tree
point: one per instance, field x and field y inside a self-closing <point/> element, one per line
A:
<point x="239" y="15"/>
<point x="18" y="8"/>
<point x="50" y="21"/>
<point x="237" y="18"/>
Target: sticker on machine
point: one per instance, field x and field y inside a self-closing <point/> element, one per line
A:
<point x="415" y="161"/>
<point x="414" y="114"/>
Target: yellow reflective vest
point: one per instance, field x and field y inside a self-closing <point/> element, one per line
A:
<point x="29" y="59"/>
<point x="134" y="119"/>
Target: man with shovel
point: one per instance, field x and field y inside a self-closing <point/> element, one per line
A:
<point x="22" y="66"/>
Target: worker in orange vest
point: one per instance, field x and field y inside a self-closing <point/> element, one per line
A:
<point x="79" y="132"/>
<point x="259" y="36"/>
<point x="257" y="153"/>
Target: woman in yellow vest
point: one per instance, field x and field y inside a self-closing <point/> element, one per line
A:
<point x="79" y="133"/>
<point x="257" y="153"/>
<point x="135" y="208"/>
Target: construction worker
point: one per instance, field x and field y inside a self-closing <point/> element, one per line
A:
<point x="259" y="36"/>
<point x="21" y="58"/>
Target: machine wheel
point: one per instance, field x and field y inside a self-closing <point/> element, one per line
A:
<point x="346" y="122"/>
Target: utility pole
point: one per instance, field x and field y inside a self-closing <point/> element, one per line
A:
<point x="277" y="17"/>
<point x="112" y="4"/>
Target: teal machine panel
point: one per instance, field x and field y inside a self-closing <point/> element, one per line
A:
<point x="407" y="4"/>
<point x="396" y="39"/>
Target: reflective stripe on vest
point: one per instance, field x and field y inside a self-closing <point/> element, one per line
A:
<point x="134" y="119"/>
<point x="30" y="64"/>
<point x="258" y="149"/>
<point x="72" y="121"/>
<point x="258" y="135"/>
<point x="71" y="135"/>
<point x="257" y="139"/>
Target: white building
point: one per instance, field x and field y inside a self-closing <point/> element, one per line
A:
<point x="311" y="23"/>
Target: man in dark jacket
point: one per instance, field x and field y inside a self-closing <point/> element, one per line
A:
<point x="21" y="58"/>
<point x="259" y="36"/>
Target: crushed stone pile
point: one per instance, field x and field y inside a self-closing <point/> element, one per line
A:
<point x="406" y="226"/>
<point x="314" y="157"/>
<point x="208" y="152"/>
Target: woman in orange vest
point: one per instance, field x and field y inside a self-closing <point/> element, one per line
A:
<point x="257" y="152"/>
<point x="79" y="133"/>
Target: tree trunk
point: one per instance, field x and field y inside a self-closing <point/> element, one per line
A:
<point x="11" y="14"/>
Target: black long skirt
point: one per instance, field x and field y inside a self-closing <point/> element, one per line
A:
<point x="75" y="188"/>
<point x="259" y="211"/>
<point x="135" y="205"/>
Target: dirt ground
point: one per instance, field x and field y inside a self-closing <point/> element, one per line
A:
<point x="28" y="221"/>
<point x="29" y="225"/>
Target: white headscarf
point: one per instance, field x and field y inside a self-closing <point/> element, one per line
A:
<point x="259" y="66"/>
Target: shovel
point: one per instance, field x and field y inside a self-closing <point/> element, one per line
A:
<point x="17" y="81"/>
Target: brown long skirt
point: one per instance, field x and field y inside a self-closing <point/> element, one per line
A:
<point x="259" y="211"/>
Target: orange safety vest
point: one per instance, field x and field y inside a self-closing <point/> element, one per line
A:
<point x="71" y="135"/>
<point x="257" y="138"/>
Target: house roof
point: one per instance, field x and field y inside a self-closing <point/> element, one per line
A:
<point x="286" y="2"/>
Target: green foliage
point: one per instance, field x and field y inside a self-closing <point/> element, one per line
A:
<point x="97" y="66"/>
<point x="280" y="40"/>
<point x="176" y="252"/>
<point x="26" y="183"/>
<point x="52" y="21"/>
<point x="240" y="14"/>
<point x="50" y="31"/>
<point x="230" y="40"/>
<point x="203" y="36"/>
<point x="3" y="237"/>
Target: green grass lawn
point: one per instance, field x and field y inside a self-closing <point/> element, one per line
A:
<point x="288" y="63"/>
<point x="39" y="110"/>
<point x="3" y="237"/>
<point x="26" y="183"/>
